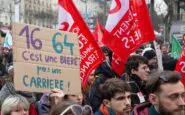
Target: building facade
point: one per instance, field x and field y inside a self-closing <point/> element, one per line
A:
<point x="6" y="12"/>
<point x="37" y="12"/>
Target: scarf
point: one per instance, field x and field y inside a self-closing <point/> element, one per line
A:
<point x="107" y="111"/>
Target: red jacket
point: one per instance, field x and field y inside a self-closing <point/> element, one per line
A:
<point x="32" y="110"/>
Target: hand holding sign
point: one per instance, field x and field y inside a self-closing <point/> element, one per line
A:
<point x="55" y="96"/>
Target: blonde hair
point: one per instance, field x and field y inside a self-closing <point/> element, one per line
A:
<point x="13" y="101"/>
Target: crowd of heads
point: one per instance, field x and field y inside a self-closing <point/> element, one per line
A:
<point x="141" y="90"/>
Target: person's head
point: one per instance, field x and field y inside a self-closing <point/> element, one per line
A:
<point x="107" y="52"/>
<point x="15" y="105"/>
<point x="166" y="92"/>
<point x="137" y="65"/>
<point x="77" y="99"/>
<point x="116" y="95"/>
<point x="150" y="54"/>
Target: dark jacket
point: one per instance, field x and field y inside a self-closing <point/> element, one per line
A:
<point x="94" y="97"/>
<point x="2" y="70"/>
<point x="144" y="109"/>
<point x="137" y="85"/>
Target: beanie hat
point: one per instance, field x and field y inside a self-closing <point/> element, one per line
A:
<point x="149" y="53"/>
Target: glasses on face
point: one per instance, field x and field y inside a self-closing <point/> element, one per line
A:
<point x="78" y="110"/>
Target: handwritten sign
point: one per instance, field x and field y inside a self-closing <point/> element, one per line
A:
<point x="45" y="59"/>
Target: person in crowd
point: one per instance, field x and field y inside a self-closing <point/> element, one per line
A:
<point x="166" y="95"/>
<point x="169" y="62"/>
<point x="3" y="72"/>
<point x="8" y="89"/>
<point x="85" y="90"/>
<point x="101" y="74"/>
<point x="137" y="72"/>
<point x="69" y="108"/>
<point x="150" y="54"/>
<point x="15" y="105"/>
<point x="5" y="54"/>
<point x="2" y="67"/>
<point x="77" y="99"/>
<point x="10" y="58"/>
<point x="48" y="100"/>
<point x="116" y="97"/>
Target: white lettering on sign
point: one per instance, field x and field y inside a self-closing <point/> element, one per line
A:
<point x="131" y="40"/>
<point x="91" y="59"/>
<point x="82" y="39"/>
<point x="125" y="26"/>
<point x="86" y="52"/>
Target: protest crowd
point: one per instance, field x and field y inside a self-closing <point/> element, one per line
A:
<point x="148" y="82"/>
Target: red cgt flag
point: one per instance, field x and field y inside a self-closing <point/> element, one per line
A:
<point x="127" y="28"/>
<point x="90" y="53"/>
<point x="180" y="66"/>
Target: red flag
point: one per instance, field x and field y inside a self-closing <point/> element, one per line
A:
<point x="90" y="53"/>
<point x="128" y="27"/>
<point x="117" y="64"/>
<point x="180" y="66"/>
<point x="98" y="33"/>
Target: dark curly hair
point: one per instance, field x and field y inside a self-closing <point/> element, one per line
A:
<point x="133" y="63"/>
<point x="112" y="86"/>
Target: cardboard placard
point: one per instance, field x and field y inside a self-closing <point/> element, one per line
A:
<point x="45" y="59"/>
